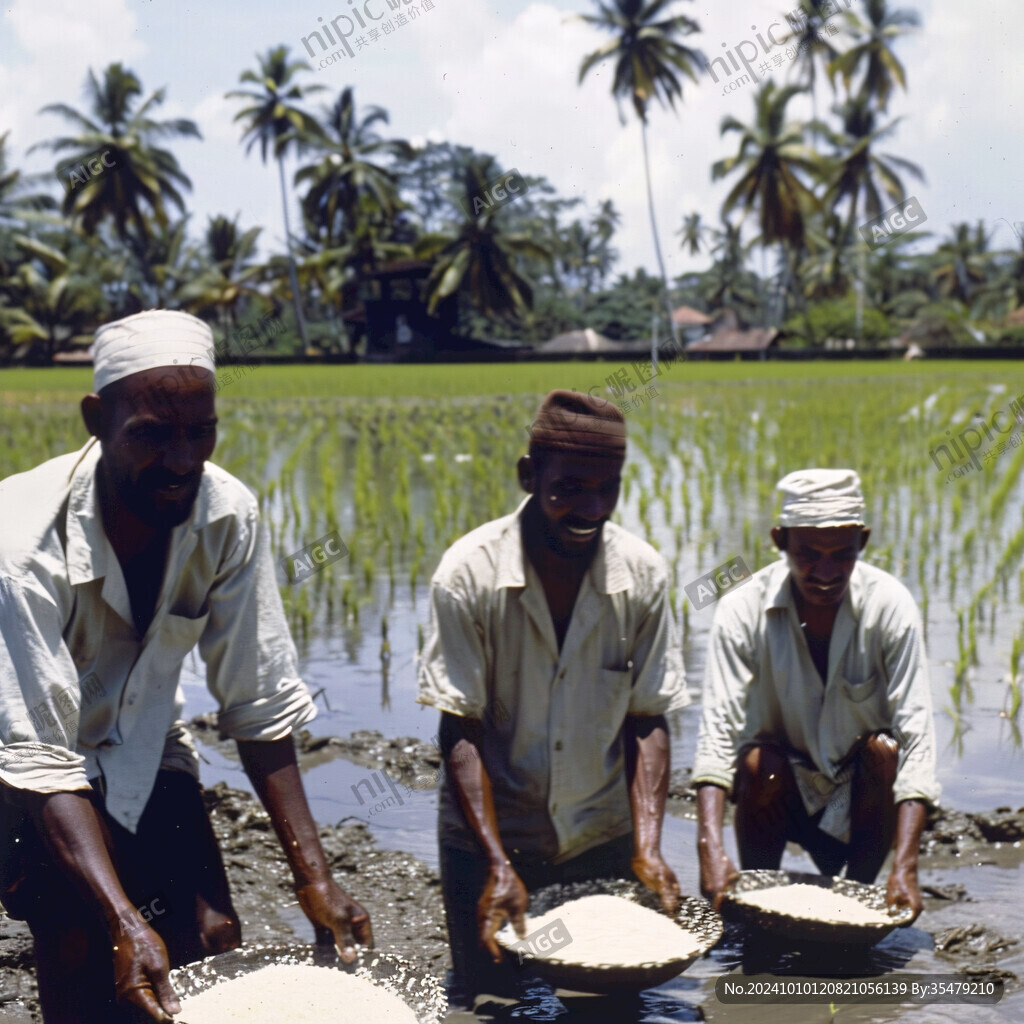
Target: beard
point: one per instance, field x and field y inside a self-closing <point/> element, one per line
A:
<point x="141" y="497"/>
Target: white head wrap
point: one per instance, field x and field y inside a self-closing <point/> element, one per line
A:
<point x="821" y="497"/>
<point x="145" y="341"/>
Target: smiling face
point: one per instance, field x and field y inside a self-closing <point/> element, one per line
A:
<point x="575" y="497"/>
<point x="821" y="559"/>
<point x="157" y="428"/>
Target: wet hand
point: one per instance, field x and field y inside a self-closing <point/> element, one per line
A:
<point x="903" y="891"/>
<point x="141" y="981"/>
<point x="652" y="870"/>
<point x="335" y="917"/>
<point x="717" y="875"/>
<point x="504" y="897"/>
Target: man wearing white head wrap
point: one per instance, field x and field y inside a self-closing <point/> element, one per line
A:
<point x="114" y="563"/>
<point x="817" y="716"/>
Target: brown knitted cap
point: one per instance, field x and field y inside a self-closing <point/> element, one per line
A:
<point x="572" y="421"/>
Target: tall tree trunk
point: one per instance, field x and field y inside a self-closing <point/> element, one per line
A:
<point x="654" y="232"/>
<point x="292" y="274"/>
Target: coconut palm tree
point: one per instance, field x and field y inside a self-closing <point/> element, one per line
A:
<point x="694" y="234"/>
<point x="771" y="158"/>
<point x="480" y="259"/>
<point x="227" y="281"/>
<point x="128" y="173"/>
<point x="861" y="172"/>
<point x="872" y="48"/>
<point x="275" y="120"/>
<point x="648" y="61"/>
<point x="963" y="262"/>
<point x="808" y="20"/>
<point x="346" y="169"/>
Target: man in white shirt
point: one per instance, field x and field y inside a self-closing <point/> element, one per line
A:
<point x="114" y="563"/>
<point x="817" y="713"/>
<point x="553" y="657"/>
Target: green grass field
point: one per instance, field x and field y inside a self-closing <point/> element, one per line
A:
<point x="480" y="379"/>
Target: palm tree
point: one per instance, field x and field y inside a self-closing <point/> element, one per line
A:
<point x="226" y="282"/>
<point x="963" y="262"/>
<point x="346" y="170"/>
<point x="274" y="119"/>
<point x="811" y="46"/>
<point x="861" y="172"/>
<point x="771" y="157"/>
<point x="693" y="233"/>
<point x="131" y="172"/>
<point x="480" y="259"/>
<point x="17" y="204"/>
<point x="872" y="47"/>
<point x="647" y="59"/>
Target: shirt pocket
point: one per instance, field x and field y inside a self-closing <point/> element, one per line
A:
<point x="859" y="692"/>
<point x="178" y="635"/>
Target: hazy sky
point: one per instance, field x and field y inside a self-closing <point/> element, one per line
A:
<point x="501" y="76"/>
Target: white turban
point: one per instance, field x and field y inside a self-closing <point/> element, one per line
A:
<point x="145" y="341"/>
<point x="821" y="497"/>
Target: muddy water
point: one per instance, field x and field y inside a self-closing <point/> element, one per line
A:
<point x="980" y="769"/>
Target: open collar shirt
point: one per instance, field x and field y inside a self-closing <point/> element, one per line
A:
<point x="552" y="719"/>
<point x="760" y="683"/>
<point x="82" y="695"/>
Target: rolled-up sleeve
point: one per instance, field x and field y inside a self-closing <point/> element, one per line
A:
<point x="910" y="705"/>
<point x="36" y="672"/>
<point x="251" y="662"/>
<point x="453" y="669"/>
<point x="727" y="678"/>
<point x="659" y="677"/>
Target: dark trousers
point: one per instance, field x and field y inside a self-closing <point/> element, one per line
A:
<point x="168" y="869"/>
<point x="464" y="876"/>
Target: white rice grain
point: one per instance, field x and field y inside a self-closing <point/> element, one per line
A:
<point x="812" y="902"/>
<point x="299" y="994"/>
<point x="612" y="931"/>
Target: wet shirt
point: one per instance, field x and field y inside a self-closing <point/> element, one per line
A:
<point x="760" y="683"/>
<point x="552" y="721"/>
<point x="82" y="695"/>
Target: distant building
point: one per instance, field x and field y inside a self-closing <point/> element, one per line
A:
<point x="752" y="343"/>
<point x="392" y="316"/>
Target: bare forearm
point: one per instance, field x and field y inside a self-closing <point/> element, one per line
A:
<point x="461" y="739"/>
<point x="710" y="815"/>
<point x="911" y="816"/>
<point x="648" y="767"/>
<point x="274" y="773"/>
<point x="75" y="839"/>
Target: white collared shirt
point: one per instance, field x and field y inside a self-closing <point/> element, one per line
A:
<point x="761" y="683"/>
<point x="555" y="758"/>
<point x="81" y="694"/>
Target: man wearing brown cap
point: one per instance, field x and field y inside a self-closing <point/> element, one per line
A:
<point x="563" y="618"/>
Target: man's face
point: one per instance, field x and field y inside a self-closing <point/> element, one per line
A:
<point x="157" y="429"/>
<point x="821" y="559"/>
<point x="576" y="495"/>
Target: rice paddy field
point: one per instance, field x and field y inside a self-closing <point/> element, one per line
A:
<point x="402" y="460"/>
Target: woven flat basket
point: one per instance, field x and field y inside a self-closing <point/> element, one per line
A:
<point x="807" y="931"/>
<point x="694" y="915"/>
<point x="419" y="990"/>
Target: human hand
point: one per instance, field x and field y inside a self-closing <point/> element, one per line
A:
<point x="652" y="870"/>
<point x="504" y="897"/>
<point x="141" y="982"/>
<point x="717" y="874"/>
<point x="903" y="891"/>
<point x="335" y="917"/>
